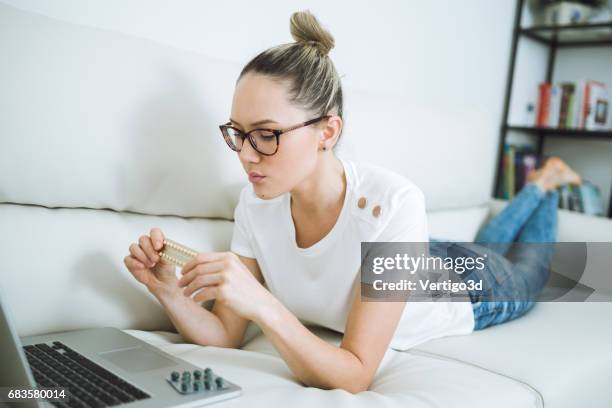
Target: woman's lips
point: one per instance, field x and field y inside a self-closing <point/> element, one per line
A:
<point x="254" y="178"/>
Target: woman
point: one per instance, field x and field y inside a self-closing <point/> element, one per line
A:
<point x="298" y="229"/>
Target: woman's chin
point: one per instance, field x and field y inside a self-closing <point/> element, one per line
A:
<point x="264" y="193"/>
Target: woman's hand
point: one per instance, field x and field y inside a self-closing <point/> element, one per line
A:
<point x="222" y="276"/>
<point x="148" y="268"/>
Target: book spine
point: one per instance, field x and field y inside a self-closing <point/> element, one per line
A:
<point x="543" y="104"/>
<point x="518" y="169"/>
<point x="570" y="110"/>
<point x="554" y="107"/>
<point x="566" y="90"/>
<point x="578" y="97"/>
<point x="584" y="111"/>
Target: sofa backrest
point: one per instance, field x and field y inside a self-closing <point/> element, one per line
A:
<point x="92" y="118"/>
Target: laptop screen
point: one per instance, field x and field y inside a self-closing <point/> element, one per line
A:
<point x="14" y="370"/>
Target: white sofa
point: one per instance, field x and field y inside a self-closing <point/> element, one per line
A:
<point x="104" y="136"/>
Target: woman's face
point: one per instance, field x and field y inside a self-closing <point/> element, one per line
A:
<point x="260" y="102"/>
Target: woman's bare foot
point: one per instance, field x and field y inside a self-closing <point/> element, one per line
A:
<point x="553" y="174"/>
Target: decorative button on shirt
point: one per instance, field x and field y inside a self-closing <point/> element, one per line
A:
<point x="376" y="211"/>
<point x="362" y="202"/>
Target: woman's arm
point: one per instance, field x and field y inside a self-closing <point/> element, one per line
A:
<point x="220" y="327"/>
<point x="351" y="366"/>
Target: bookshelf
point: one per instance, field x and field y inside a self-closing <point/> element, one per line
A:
<point x="553" y="37"/>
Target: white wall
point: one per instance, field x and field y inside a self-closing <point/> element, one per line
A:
<point x="401" y="47"/>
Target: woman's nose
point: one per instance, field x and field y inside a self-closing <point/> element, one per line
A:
<point x="248" y="153"/>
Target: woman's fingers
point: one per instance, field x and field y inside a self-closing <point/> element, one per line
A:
<point x="203" y="257"/>
<point x="135" y="267"/>
<point x="139" y="255"/>
<point x="209" y="293"/>
<point x="133" y="263"/>
<point x="202" y="281"/>
<point x="204" y="268"/>
<point x="147" y="247"/>
<point x="157" y="236"/>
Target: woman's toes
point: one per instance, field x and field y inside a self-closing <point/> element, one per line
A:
<point x="564" y="173"/>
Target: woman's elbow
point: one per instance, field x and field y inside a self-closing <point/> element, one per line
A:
<point x="351" y="384"/>
<point x="355" y="387"/>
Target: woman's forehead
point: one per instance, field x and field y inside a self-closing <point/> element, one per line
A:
<point x="258" y="97"/>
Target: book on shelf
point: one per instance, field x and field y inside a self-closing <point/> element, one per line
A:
<point x="568" y="105"/>
<point x="517" y="162"/>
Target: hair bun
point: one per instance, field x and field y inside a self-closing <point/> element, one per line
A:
<point x="305" y="28"/>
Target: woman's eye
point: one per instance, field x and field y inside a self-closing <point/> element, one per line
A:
<point x="264" y="135"/>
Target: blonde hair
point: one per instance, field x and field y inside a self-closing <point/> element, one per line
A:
<point x="304" y="65"/>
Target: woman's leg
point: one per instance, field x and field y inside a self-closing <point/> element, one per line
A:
<point x="522" y="276"/>
<point x="533" y="254"/>
<point x="505" y="226"/>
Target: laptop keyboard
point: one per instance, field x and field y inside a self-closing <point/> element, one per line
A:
<point x="89" y="384"/>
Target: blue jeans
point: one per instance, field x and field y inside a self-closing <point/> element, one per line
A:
<point x="518" y="272"/>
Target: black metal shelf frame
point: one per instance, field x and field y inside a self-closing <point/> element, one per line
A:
<point x="553" y="37"/>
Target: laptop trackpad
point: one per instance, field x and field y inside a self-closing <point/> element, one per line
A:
<point x="137" y="359"/>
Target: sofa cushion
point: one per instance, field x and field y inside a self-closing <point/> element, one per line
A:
<point x="63" y="269"/>
<point x="560" y="349"/>
<point x="403" y="379"/>
<point x="457" y="224"/>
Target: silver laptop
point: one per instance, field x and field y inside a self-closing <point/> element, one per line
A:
<point x="102" y="367"/>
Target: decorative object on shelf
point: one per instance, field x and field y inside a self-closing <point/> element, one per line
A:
<point x="557" y="13"/>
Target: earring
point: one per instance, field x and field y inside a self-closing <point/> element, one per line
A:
<point x="324" y="148"/>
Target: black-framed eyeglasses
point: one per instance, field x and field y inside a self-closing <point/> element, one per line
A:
<point x="264" y="141"/>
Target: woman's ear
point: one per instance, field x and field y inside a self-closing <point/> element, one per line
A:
<point x="331" y="131"/>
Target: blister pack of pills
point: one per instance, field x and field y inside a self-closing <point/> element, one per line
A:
<point x="176" y="253"/>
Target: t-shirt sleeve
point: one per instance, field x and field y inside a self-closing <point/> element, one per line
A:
<point x="241" y="237"/>
<point x="409" y="220"/>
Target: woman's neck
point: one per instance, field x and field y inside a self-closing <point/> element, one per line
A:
<point x="323" y="190"/>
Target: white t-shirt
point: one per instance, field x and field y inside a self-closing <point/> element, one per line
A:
<point x="317" y="283"/>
